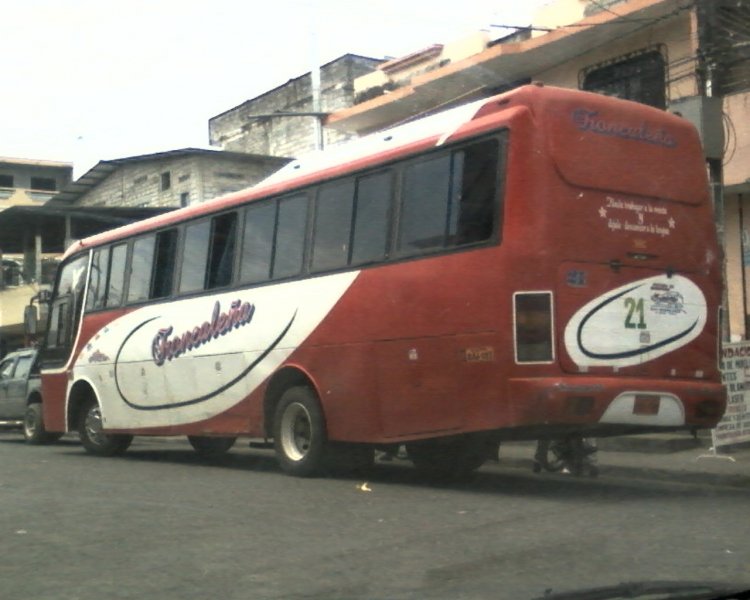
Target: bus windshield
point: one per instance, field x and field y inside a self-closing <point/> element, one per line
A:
<point x="65" y="310"/>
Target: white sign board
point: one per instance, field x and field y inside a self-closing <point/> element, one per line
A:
<point x="734" y="427"/>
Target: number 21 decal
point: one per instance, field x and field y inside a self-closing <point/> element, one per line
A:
<point x="635" y="318"/>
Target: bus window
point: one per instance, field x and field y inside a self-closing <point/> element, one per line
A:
<point x="424" y="205"/>
<point x="221" y="260"/>
<point x="257" y="243"/>
<point x="194" y="256"/>
<point x="449" y="200"/>
<point x="333" y="221"/>
<point x="473" y="193"/>
<point x="166" y="245"/>
<point x="372" y="217"/>
<point x="141" y="266"/>
<point x="116" y="282"/>
<point x="98" y="279"/>
<point x="290" y="236"/>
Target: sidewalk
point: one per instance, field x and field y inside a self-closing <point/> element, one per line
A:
<point x="696" y="464"/>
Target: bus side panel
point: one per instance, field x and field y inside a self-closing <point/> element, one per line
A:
<point x="344" y="378"/>
<point x="435" y="360"/>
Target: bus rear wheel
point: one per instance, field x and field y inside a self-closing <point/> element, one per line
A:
<point x="299" y="433"/>
<point x="92" y="436"/>
<point x="211" y="447"/>
<point x="449" y="459"/>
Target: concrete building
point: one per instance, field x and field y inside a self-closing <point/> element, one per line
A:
<point x="31" y="182"/>
<point x="169" y="179"/>
<point x="687" y="57"/>
<point x="25" y="184"/>
<point x="282" y="121"/>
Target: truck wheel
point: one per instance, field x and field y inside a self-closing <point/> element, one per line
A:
<point x="211" y="447"/>
<point x="299" y="433"/>
<point x="93" y="438"/>
<point x="33" y="426"/>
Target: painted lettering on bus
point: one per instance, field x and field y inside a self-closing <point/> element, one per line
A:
<point x="164" y="348"/>
<point x="589" y="120"/>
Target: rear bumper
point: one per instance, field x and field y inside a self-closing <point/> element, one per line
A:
<point x="612" y="402"/>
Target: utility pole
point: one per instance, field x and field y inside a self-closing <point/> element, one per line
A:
<point x="705" y="14"/>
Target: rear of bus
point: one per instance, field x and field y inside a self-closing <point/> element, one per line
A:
<point x="616" y="326"/>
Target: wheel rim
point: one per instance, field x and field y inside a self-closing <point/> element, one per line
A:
<point x="93" y="426"/>
<point x="29" y="424"/>
<point x="296" y="431"/>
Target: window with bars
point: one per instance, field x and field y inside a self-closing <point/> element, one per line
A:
<point x="640" y="76"/>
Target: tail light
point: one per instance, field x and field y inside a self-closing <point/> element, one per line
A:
<point x="532" y="319"/>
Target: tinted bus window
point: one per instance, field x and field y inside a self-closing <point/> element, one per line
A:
<point x="141" y="265"/>
<point x="221" y="261"/>
<point x="116" y="283"/>
<point x="424" y="205"/>
<point x="195" y="256"/>
<point x="449" y="200"/>
<point x="333" y="220"/>
<point x="98" y="279"/>
<point x="166" y="246"/>
<point x="473" y="193"/>
<point x="257" y="243"/>
<point x="290" y="236"/>
<point x="372" y="217"/>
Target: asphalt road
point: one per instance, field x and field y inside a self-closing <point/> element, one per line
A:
<point x="162" y="523"/>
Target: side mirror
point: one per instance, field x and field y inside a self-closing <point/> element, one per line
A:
<point x="30" y="320"/>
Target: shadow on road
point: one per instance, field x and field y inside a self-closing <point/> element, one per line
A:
<point x="493" y="478"/>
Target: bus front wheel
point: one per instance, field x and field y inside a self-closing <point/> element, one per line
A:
<point x="299" y="433"/>
<point x="92" y="436"/>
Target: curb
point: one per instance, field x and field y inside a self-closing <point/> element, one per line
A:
<point x="650" y="443"/>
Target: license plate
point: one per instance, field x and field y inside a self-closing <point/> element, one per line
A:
<point x="646" y="405"/>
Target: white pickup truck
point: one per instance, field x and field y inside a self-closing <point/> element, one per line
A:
<point x="21" y="397"/>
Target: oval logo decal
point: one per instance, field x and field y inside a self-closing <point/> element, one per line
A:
<point x="636" y="322"/>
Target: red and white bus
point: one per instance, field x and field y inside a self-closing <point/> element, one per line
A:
<point x="532" y="265"/>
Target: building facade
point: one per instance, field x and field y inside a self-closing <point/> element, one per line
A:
<point x="31" y="182"/>
<point x="282" y="121"/>
<point x="24" y="268"/>
<point x="169" y="179"/>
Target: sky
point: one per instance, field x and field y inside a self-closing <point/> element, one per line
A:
<point x="90" y="80"/>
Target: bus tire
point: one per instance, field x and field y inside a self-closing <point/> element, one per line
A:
<point x="299" y="433"/>
<point x="33" y="426"/>
<point x="451" y="459"/>
<point x="93" y="439"/>
<point x="211" y="447"/>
